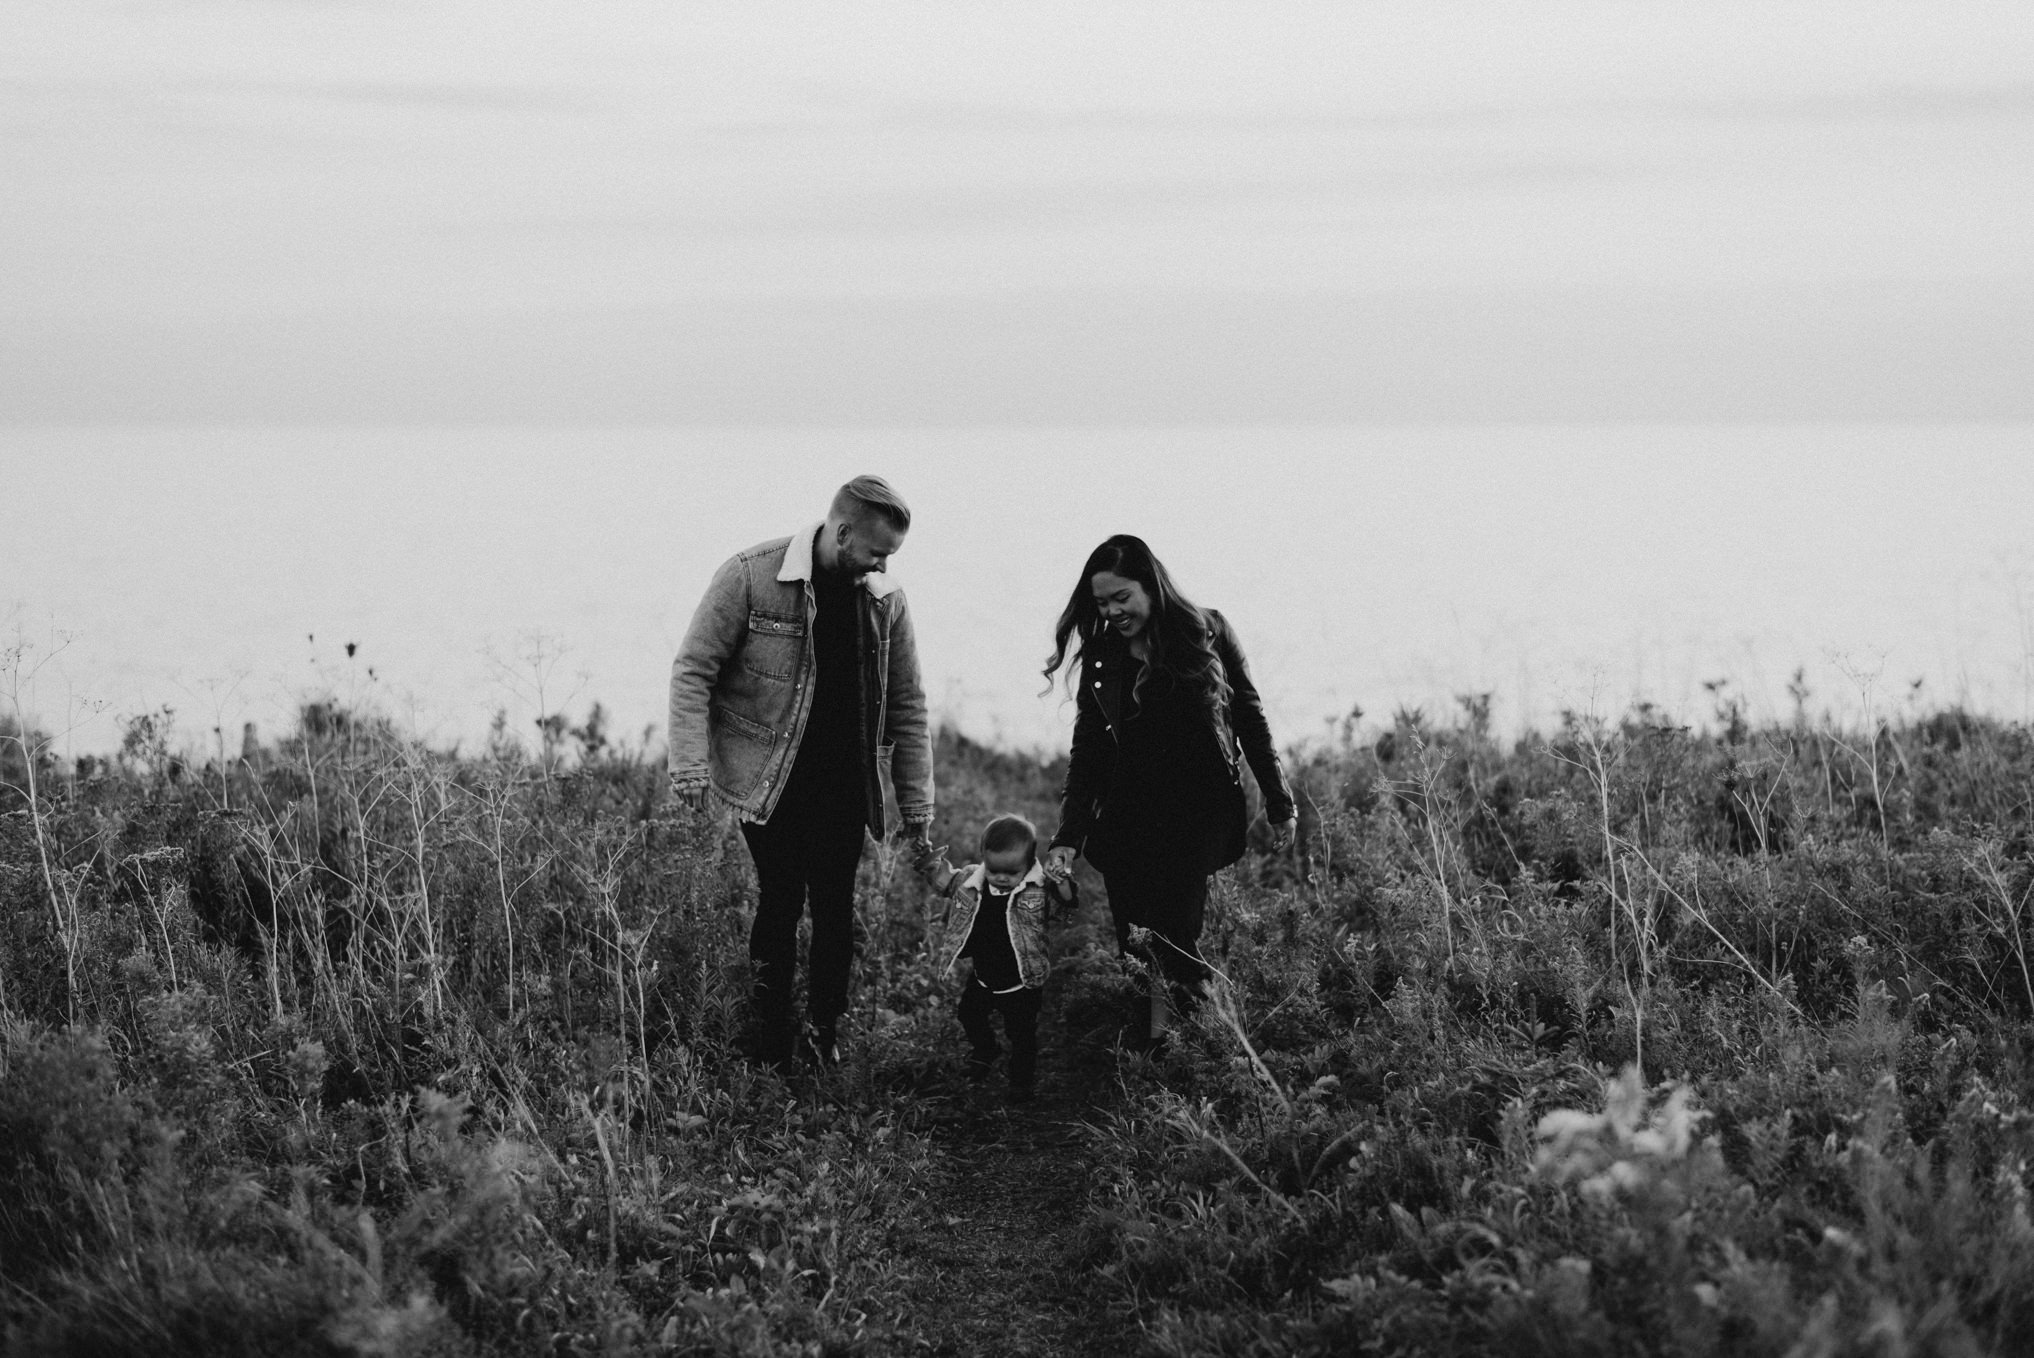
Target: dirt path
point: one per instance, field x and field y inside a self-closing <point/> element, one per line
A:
<point x="995" y="1268"/>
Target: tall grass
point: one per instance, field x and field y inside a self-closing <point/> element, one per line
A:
<point x="1631" y="1038"/>
<point x="358" y="1046"/>
<point x="1706" y="1043"/>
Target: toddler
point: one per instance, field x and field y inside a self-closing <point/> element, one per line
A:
<point x="996" y="915"/>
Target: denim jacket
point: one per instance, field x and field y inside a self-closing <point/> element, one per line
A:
<point x="742" y="684"/>
<point x="1030" y="907"/>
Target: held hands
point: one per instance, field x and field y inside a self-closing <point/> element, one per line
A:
<point x="928" y="862"/>
<point x="931" y="865"/>
<point x="1059" y="861"/>
<point x="937" y="872"/>
<point x="916" y="835"/>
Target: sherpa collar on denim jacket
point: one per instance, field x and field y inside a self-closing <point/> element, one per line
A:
<point x="799" y="565"/>
<point x="976" y="878"/>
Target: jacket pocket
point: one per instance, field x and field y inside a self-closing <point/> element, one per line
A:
<point x="739" y="748"/>
<point x="736" y="724"/>
<point x="774" y="645"/>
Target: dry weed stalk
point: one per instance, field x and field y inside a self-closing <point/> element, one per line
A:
<point x="1866" y="682"/>
<point x="2009" y="921"/>
<point x="1425" y="785"/>
<point x="1600" y="762"/>
<point x="1202" y="1129"/>
<point x="627" y="948"/>
<point x="423" y="793"/>
<point x="59" y="885"/>
<point x="495" y="799"/>
<point x="1223" y="1004"/>
<point x="1691" y="903"/>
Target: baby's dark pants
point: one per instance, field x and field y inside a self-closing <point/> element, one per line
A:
<point x="1019" y="1009"/>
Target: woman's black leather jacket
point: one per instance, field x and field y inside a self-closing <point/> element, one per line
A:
<point x="1107" y="674"/>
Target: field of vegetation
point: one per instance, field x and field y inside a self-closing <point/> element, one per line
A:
<point x="1623" y="1039"/>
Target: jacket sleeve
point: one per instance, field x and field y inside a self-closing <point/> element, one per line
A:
<point x="1087" y="772"/>
<point x="905" y="721"/>
<point x="710" y="641"/>
<point x="1246" y="718"/>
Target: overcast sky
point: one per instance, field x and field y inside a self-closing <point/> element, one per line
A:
<point x="899" y="213"/>
<point x="1577" y="351"/>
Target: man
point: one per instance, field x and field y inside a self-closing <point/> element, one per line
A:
<point x="794" y="694"/>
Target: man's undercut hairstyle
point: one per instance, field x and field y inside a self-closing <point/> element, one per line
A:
<point x="867" y="495"/>
<point x="1005" y="833"/>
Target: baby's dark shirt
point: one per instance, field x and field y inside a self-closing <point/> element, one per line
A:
<point x="989" y="943"/>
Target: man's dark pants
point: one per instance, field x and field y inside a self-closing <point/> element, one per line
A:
<point x="803" y="854"/>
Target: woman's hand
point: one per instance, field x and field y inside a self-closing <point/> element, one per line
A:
<point x="1059" y="861"/>
<point x="1282" y="834"/>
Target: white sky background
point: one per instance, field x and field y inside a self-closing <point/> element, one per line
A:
<point x="1570" y="350"/>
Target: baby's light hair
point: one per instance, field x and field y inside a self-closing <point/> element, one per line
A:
<point x="1008" y="832"/>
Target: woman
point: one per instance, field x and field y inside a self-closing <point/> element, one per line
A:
<point x="1153" y="797"/>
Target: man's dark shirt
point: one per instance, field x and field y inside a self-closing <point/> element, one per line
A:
<point x="827" y="774"/>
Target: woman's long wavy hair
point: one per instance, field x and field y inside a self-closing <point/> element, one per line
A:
<point x="1180" y="638"/>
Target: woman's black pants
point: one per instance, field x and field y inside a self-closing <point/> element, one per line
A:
<point x="1172" y="905"/>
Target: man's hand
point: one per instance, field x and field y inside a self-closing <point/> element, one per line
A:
<point x="690" y="792"/>
<point x="1059" y="861"/>
<point x="1282" y="834"/>
<point x="917" y="834"/>
<point x="929" y="863"/>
